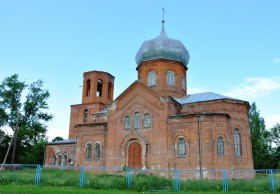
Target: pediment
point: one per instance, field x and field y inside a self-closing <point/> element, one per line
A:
<point x="137" y="87"/>
<point x="136" y="94"/>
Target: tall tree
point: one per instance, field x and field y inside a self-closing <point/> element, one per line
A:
<point x="25" y="116"/>
<point x="275" y="134"/>
<point x="4" y="144"/>
<point x="275" y="137"/>
<point x="36" y="153"/>
<point x="261" y="141"/>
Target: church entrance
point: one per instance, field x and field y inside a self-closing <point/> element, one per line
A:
<point x="134" y="155"/>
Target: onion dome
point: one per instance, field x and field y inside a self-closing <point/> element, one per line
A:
<point x="163" y="47"/>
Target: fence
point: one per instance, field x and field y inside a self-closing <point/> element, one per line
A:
<point x="143" y="179"/>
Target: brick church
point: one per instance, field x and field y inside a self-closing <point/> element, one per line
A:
<point x="155" y="123"/>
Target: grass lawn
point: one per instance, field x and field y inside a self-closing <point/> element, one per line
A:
<point x="30" y="189"/>
<point x="68" y="181"/>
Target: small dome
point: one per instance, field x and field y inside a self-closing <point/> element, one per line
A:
<point x="163" y="47"/>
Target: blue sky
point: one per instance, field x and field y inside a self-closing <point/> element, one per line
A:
<point x="234" y="46"/>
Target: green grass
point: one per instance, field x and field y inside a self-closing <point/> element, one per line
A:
<point x="16" y="189"/>
<point x="53" y="180"/>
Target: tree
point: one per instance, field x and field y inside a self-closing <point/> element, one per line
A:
<point x="57" y="138"/>
<point x="27" y="119"/>
<point x="261" y="141"/>
<point x="36" y="153"/>
<point x="4" y="143"/>
<point x="275" y="134"/>
<point x="275" y="138"/>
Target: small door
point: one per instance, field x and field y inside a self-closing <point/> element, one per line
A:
<point x="134" y="155"/>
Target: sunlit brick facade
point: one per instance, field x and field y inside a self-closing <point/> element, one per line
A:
<point x="154" y="123"/>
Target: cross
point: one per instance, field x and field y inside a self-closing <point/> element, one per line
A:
<point x="163" y="15"/>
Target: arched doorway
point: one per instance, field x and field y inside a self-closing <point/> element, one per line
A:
<point x="134" y="155"/>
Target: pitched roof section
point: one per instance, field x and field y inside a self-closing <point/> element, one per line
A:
<point x="65" y="141"/>
<point x="202" y="97"/>
<point x="131" y="86"/>
<point x="104" y="111"/>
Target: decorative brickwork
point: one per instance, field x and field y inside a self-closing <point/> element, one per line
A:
<point x="155" y="124"/>
<point x="161" y="68"/>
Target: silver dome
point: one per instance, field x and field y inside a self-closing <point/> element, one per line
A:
<point x="163" y="47"/>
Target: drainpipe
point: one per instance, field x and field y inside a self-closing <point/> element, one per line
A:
<point x="200" y="117"/>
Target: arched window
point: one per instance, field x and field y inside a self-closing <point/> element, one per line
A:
<point x="88" y="88"/>
<point x="65" y="160"/>
<point x="88" y="151"/>
<point x="97" y="151"/>
<point x="181" y="147"/>
<point x="147" y="120"/>
<point x="54" y="160"/>
<point x="59" y="160"/>
<point x="183" y="83"/>
<point x="220" y="146"/>
<point x="110" y="91"/>
<point x="170" y="78"/>
<point x="137" y="120"/>
<point x="152" y="78"/>
<point x="237" y="144"/>
<point x="99" y="88"/>
<point x="85" y="116"/>
<point x="127" y="122"/>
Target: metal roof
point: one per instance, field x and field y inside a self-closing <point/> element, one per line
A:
<point x="65" y="141"/>
<point x="162" y="47"/>
<point x="201" y="97"/>
<point x="102" y="112"/>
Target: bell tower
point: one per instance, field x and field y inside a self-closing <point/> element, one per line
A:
<point x="98" y="87"/>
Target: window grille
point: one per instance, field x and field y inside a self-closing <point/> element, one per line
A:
<point x="88" y="151"/>
<point x="97" y="151"/>
<point x="127" y="122"/>
<point x="220" y="146"/>
<point x="237" y="144"/>
<point x="152" y="78"/>
<point x="181" y="147"/>
<point x="170" y="78"/>
<point x="137" y="120"/>
<point x="147" y="120"/>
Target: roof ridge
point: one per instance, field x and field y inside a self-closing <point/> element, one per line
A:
<point x="203" y="96"/>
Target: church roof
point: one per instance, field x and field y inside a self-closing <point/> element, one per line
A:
<point x="104" y="111"/>
<point x="65" y="141"/>
<point x="202" y="97"/>
<point x="162" y="47"/>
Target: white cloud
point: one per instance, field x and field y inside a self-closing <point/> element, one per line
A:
<point x="276" y="60"/>
<point x="254" y="88"/>
<point x="270" y="121"/>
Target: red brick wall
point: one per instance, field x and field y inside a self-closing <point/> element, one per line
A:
<point x="170" y="121"/>
<point x="91" y="102"/>
<point x="62" y="149"/>
<point x="161" y="67"/>
<point x="94" y="76"/>
<point x="77" y="115"/>
<point x="213" y="126"/>
<point x="152" y="139"/>
<point x="91" y="134"/>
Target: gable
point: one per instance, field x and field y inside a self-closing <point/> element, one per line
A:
<point x="136" y="96"/>
<point x="136" y="86"/>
